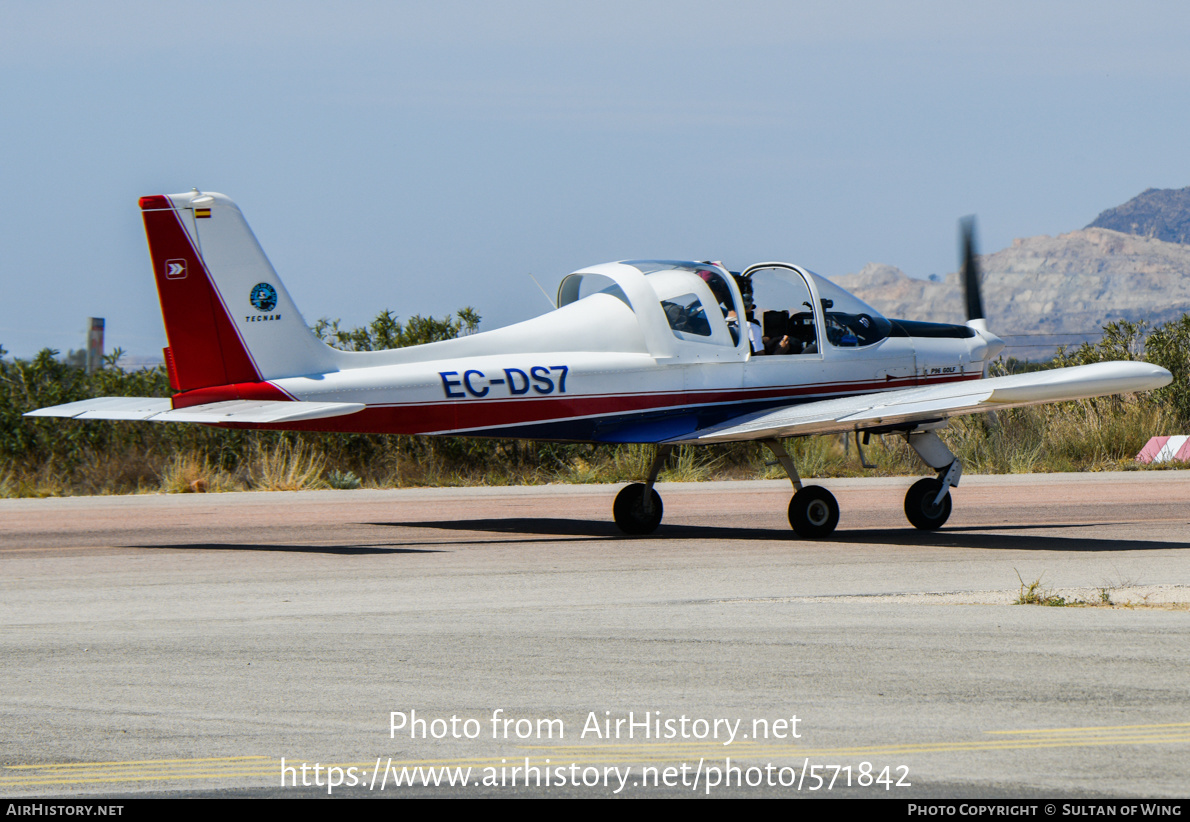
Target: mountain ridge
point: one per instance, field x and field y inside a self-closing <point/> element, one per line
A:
<point x="1163" y="213"/>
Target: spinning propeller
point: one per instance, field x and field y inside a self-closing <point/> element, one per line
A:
<point x="970" y="271"/>
<point x="969" y="274"/>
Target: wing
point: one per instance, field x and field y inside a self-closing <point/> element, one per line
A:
<point x="918" y="405"/>
<point x="250" y="412"/>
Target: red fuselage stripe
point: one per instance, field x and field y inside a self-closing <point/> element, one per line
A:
<point x="477" y="415"/>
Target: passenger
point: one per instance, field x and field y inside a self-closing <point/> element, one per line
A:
<point x="733" y="324"/>
<point x="755" y="335"/>
<point x="755" y="338"/>
<point x="719" y="289"/>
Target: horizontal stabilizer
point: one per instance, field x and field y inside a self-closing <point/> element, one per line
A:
<point x="248" y="412"/>
<point x="107" y="408"/>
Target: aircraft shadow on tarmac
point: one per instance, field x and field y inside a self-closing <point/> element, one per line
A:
<point x="344" y="550"/>
<point x="524" y="530"/>
<point x="550" y="529"/>
<point x="969" y="537"/>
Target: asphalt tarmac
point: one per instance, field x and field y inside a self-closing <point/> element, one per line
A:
<point x="187" y="644"/>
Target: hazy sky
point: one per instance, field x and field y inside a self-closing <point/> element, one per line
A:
<point x="422" y="156"/>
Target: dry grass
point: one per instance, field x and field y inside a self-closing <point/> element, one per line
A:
<point x="133" y="471"/>
<point x="286" y="467"/>
<point x="1089" y="435"/>
<point x="1034" y="593"/>
<point x="1104" y="596"/>
<point x="39" y="483"/>
<point x="686" y="464"/>
<point x="36" y="482"/>
<point x="194" y="474"/>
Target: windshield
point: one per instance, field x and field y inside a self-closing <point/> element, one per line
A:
<point x="850" y="322"/>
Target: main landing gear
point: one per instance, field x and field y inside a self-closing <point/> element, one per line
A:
<point x="813" y="511"/>
<point x="637" y="509"/>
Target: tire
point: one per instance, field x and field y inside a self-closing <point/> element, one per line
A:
<point x="920" y="507"/>
<point x="630" y="514"/>
<point x="813" y="512"/>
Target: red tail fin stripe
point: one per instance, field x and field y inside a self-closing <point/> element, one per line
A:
<point x="238" y="364"/>
<point x="207" y="347"/>
<point x="241" y="356"/>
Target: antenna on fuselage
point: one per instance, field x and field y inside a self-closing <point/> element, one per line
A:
<point x="544" y="293"/>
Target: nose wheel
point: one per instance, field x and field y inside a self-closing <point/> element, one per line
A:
<point x="813" y="512"/>
<point x="922" y="506"/>
<point x="927" y="504"/>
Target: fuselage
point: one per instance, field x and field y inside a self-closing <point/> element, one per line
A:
<point x="638" y="352"/>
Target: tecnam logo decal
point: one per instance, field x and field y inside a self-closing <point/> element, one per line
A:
<point x="263" y="296"/>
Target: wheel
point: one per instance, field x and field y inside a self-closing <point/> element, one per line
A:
<point x="813" y="512"/>
<point x="920" y="507"/>
<point x="629" y="510"/>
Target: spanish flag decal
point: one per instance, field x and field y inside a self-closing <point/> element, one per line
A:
<point x="199" y="213"/>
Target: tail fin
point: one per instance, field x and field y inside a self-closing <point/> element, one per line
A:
<point x="227" y="315"/>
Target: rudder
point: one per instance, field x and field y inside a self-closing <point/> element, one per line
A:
<point x="228" y="317"/>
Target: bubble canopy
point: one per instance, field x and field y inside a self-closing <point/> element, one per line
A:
<point x="699" y="302"/>
<point x="603" y="279"/>
<point x="677" y="303"/>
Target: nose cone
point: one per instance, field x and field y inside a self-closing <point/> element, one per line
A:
<point x="994" y="344"/>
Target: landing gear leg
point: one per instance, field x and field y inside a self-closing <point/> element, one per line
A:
<point x="927" y="504"/>
<point x="813" y="511"/>
<point x="637" y="509"/>
<point x="786" y="462"/>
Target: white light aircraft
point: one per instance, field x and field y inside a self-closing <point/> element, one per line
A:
<point x="659" y="352"/>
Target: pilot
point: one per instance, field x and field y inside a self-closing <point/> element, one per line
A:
<point x="793" y="342"/>
<point x="784" y="345"/>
